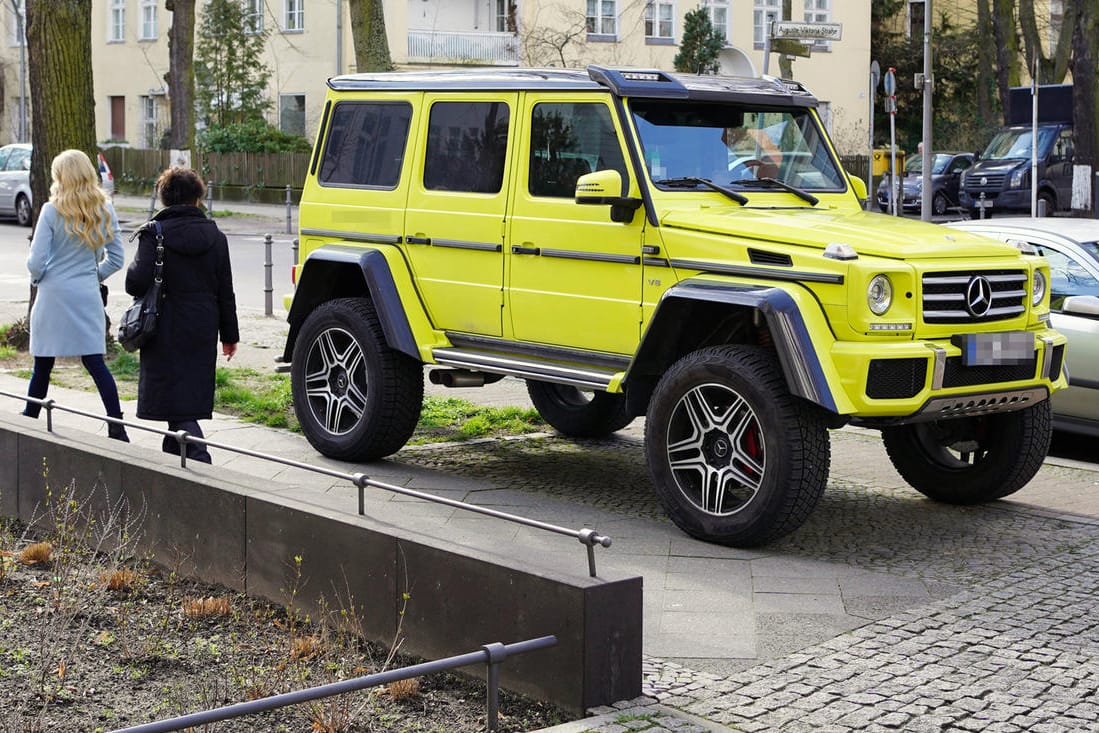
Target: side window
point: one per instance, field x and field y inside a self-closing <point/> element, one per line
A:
<point x="1063" y="150"/>
<point x="19" y="160"/>
<point x="466" y="147"/>
<point x="1067" y="277"/>
<point x="567" y="140"/>
<point x="366" y="144"/>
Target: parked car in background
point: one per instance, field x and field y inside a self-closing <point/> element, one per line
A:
<point x="946" y="174"/>
<point x="1072" y="248"/>
<point x="15" y="184"/>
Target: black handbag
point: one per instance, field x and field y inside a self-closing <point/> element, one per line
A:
<point x="139" y="322"/>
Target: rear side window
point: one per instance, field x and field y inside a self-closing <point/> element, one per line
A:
<point x="366" y="144"/>
<point x="466" y="146"/>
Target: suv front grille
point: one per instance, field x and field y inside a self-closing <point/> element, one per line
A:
<point x="896" y="379"/>
<point x="992" y="182"/>
<point x="946" y="296"/>
<point x="957" y="374"/>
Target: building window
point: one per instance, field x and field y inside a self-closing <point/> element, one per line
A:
<point x="292" y="114"/>
<point x="915" y="18"/>
<point x="659" y="20"/>
<point x="719" y="16"/>
<point x="820" y="11"/>
<point x="505" y="16"/>
<point x="603" y="17"/>
<point x="17" y="32"/>
<point x="253" y="16"/>
<point x="150" y="123"/>
<point x="148" y="20"/>
<point x="295" y="15"/>
<point x="118" y="118"/>
<point x="763" y="13"/>
<point x="117" y="26"/>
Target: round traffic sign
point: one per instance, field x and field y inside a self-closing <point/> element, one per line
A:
<point x="890" y="82"/>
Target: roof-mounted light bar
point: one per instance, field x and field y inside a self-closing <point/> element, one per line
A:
<point x="638" y="82"/>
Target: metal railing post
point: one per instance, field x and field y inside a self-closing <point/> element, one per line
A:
<point x="268" y="287"/>
<point x="289" y="211"/>
<point x="496" y="653"/>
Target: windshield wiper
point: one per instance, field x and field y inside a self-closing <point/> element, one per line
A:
<point x="768" y="181"/>
<point x="694" y="181"/>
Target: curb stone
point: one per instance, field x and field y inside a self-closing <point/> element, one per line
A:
<point x="640" y="715"/>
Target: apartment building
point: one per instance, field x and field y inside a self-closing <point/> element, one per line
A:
<point x="310" y="41"/>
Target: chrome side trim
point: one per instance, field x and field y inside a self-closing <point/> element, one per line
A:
<point x="459" y="244"/>
<point x="569" y="254"/>
<point x="353" y="236"/>
<point x="762" y="272"/>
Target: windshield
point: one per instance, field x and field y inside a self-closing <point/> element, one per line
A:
<point x="733" y="145"/>
<point x="938" y="164"/>
<point x="1016" y="143"/>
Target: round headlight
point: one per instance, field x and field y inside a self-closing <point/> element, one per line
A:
<point x="1038" y="290"/>
<point x="879" y="295"/>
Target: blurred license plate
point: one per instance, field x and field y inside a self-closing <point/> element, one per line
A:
<point x="995" y="349"/>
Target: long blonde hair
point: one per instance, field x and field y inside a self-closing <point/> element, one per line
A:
<point x="76" y="195"/>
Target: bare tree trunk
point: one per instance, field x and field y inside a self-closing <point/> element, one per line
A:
<point x="181" y="73"/>
<point x="368" y="35"/>
<point x="984" y="63"/>
<point x="59" y="45"/>
<point x="1085" y="54"/>
<point x="1007" y="49"/>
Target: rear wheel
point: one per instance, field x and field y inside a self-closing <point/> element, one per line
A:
<point x="23" y="210"/>
<point x="735" y="458"/>
<point x="578" y="413"/>
<point x="973" y="459"/>
<point x="939" y="204"/>
<point x="355" y="397"/>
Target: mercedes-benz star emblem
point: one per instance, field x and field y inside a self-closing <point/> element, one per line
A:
<point x="978" y="296"/>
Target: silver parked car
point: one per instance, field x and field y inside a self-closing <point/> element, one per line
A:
<point x="1072" y="248"/>
<point x="15" y="184"/>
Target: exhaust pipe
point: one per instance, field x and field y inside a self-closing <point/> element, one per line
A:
<point x="462" y="378"/>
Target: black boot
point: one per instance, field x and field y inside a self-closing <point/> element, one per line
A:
<point x="116" y="431"/>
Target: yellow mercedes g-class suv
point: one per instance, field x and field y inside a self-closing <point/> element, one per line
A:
<point x="687" y="248"/>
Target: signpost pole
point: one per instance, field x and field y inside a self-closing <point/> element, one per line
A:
<point x="891" y="107"/>
<point x="875" y="75"/>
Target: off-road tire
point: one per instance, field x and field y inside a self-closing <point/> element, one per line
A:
<point x="355" y="397"/>
<point x="974" y="459"/>
<point x="723" y="417"/>
<point x="23" y="212"/>
<point x="576" y="413"/>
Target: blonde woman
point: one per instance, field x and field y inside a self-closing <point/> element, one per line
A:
<point x="77" y="245"/>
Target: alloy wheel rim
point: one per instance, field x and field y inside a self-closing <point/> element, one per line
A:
<point x="335" y="381"/>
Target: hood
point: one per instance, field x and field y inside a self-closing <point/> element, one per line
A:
<point x="995" y="166"/>
<point x="869" y="233"/>
<point x="187" y="230"/>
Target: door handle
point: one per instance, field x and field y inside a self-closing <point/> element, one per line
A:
<point x="418" y="240"/>
<point x="517" y="250"/>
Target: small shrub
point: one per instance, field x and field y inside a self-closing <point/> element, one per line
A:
<point x="306" y="647"/>
<point x="401" y="689"/>
<point x="122" y="580"/>
<point x="207" y="607"/>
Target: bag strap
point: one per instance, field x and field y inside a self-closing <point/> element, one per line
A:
<point x="158" y="265"/>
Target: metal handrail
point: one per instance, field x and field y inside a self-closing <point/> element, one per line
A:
<point x="587" y="537"/>
<point x="491" y="654"/>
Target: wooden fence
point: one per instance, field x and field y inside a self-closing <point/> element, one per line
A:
<point x="261" y="177"/>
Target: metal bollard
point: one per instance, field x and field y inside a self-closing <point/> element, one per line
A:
<point x="152" y="203"/>
<point x="981" y="205"/>
<point x="210" y="199"/>
<point x="289" y="211"/>
<point x="268" y="287"/>
<point x="294" y="251"/>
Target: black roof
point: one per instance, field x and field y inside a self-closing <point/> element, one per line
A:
<point x="624" y="82"/>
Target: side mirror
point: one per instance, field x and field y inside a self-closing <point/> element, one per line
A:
<point x="603" y="188"/>
<point x="858" y="186"/>
<point x="1082" y="305"/>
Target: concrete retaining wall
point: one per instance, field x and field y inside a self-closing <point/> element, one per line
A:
<point x="222" y="526"/>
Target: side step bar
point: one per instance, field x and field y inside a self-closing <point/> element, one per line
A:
<point x="585" y="376"/>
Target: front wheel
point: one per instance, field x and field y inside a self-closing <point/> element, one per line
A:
<point x="735" y="458"/>
<point x="577" y="413"/>
<point x="23" y="211"/>
<point x="939" y="204"/>
<point x="972" y="459"/>
<point x="355" y="397"/>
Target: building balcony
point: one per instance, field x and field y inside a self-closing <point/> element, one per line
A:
<point x="474" y="48"/>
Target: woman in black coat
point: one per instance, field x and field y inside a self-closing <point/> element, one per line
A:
<point x="176" y="382"/>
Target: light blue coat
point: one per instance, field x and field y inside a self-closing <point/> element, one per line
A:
<point x="67" y="318"/>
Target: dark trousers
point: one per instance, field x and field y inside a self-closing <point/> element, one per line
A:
<point x="97" y="368"/>
<point x="195" y="451"/>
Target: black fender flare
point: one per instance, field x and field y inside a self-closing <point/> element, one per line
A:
<point x="801" y="365"/>
<point x="347" y="272"/>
